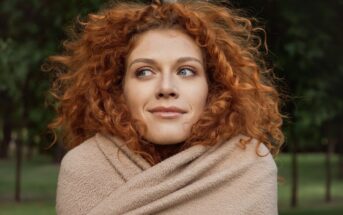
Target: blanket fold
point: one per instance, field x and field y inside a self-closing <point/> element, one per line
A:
<point x="222" y="179"/>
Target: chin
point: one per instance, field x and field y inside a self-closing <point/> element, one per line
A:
<point x="167" y="139"/>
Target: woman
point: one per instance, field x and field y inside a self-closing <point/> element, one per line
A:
<point x="167" y="109"/>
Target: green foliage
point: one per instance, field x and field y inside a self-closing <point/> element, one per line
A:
<point x="312" y="49"/>
<point x="304" y="37"/>
<point x="30" y="33"/>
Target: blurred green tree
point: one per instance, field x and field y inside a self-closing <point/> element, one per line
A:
<point x="30" y="32"/>
<point x="304" y="37"/>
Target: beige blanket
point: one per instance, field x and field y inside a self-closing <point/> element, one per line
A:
<point x="223" y="179"/>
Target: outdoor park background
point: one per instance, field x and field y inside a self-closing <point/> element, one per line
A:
<point x="305" y="40"/>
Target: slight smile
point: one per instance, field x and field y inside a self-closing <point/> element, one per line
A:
<point x="167" y="112"/>
<point x="167" y="115"/>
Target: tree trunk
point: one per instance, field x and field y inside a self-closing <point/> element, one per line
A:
<point x="328" y="171"/>
<point x="20" y="140"/>
<point x="7" y="131"/>
<point x="30" y="148"/>
<point x="340" y="155"/>
<point x="294" y="191"/>
<point x="18" y="168"/>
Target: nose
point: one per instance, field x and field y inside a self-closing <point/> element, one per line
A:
<point x="167" y="87"/>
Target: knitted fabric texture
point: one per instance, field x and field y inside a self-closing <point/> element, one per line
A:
<point x="95" y="178"/>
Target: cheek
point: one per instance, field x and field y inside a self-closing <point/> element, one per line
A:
<point x="201" y="101"/>
<point x="201" y="92"/>
<point x="136" y="96"/>
<point x="129" y="92"/>
<point x="204" y="93"/>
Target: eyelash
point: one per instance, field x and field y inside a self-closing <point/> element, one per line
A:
<point x="142" y="69"/>
<point x="139" y="71"/>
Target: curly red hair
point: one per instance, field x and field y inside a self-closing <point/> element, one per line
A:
<point x="88" y="89"/>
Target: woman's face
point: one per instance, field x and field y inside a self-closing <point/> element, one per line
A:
<point x="165" y="84"/>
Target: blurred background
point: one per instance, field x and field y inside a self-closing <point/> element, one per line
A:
<point x="305" y="39"/>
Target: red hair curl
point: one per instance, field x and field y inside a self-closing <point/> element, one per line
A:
<point x="241" y="99"/>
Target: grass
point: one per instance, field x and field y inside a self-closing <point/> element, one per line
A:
<point x="311" y="186"/>
<point x="39" y="178"/>
<point x="28" y="208"/>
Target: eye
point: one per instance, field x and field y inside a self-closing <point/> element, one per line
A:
<point x="143" y="72"/>
<point x="186" y="71"/>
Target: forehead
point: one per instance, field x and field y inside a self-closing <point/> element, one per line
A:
<point x="166" y="43"/>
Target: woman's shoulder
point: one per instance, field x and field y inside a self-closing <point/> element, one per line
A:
<point x="84" y="178"/>
<point x="252" y="151"/>
<point x="87" y="162"/>
<point x="81" y="155"/>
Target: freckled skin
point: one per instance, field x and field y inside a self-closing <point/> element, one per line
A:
<point x="162" y="80"/>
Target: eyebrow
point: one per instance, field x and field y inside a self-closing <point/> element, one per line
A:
<point x="152" y="61"/>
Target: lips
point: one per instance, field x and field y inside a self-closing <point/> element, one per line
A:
<point x="167" y="109"/>
<point x="167" y="112"/>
